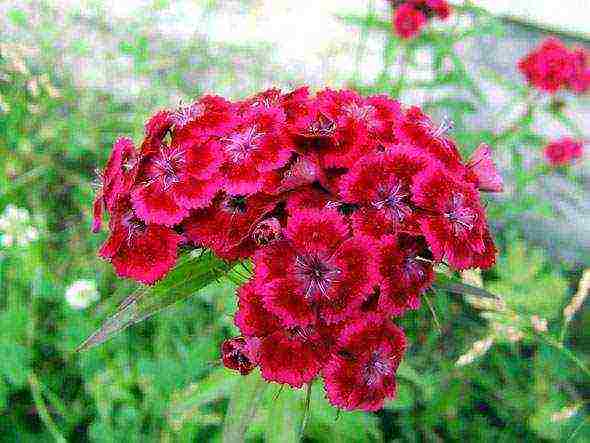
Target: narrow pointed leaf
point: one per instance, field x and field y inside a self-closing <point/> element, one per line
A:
<point x="192" y="273"/>
<point x="445" y="283"/>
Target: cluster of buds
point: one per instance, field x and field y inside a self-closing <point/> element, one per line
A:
<point x="343" y="203"/>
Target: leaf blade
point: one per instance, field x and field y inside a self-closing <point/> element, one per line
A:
<point x="193" y="273"/>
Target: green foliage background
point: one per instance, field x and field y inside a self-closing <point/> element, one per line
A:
<point x="161" y="380"/>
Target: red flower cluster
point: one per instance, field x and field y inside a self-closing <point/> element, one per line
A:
<point x="552" y="66"/>
<point x="344" y="204"/>
<point x="564" y="151"/>
<point x="412" y="15"/>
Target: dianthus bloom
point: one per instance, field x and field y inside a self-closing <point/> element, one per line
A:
<point x="552" y="67"/>
<point x="410" y="16"/>
<point x="564" y="151"/>
<point x="344" y="204"/>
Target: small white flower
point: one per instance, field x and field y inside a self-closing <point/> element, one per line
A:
<point x="7" y="240"/>
<point x="81" y="294"/>
<point x="16" y="228"/>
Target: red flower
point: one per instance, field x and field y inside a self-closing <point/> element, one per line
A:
<point x="143" y="252"/>
<point x="483" y="170"/>
<point x="321" y="270"/>
<point x="252" y="318"/>
<point x="256" y="145"/>
<point x="417" y="129"/>
<point x="344" y="204"/>
<point x="158" y="125"/>
<point x="453" y="220"/>
<point x="116" y="178"/>
<point x="227" y="225"/>
<point x="438" y="7"/>
<point x="237" y="354"/>
<point x="406" y="272"/>
<point x="361" y="372"/>
<point x="408" y="21"/>
<point x="550" y="67"/>
<point x="293" y="355"/>
<point x="211" y="116"/>
<point x="563" y="151"/>
<point x="176" y="179"/>
<point x="580" y="81"/>
<point x="307" y="197"/>
<point x="380" y="185"/>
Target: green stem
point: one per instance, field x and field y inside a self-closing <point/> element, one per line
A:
<point x="306" y="410"/>
<point x="565" y="351"/>
<point x="362" y="45"/>
<point x="42" y="409"/>
<point x="531" y="103"/>
<point x="242" y="408"/>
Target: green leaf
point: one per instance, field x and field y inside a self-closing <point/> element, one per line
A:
<point x="193" y="273"/>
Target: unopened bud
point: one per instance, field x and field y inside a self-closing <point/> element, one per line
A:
<point x="267" y="231"/>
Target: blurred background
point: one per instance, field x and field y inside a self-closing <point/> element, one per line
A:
<point x="75" y="75"/>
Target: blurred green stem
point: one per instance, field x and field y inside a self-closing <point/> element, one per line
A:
<point x="242" y="407"/>
<point x="42" y="409"/>
<point x="565" y="351"/>
<point x="524" y="119"/>
<point x="360" y="52"/>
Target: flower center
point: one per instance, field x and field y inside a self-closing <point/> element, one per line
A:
<point x="167" y="166"/>
<point x="186" y="114"/>
<point x="322" y="127"/>
<point x="412" y="268"/>
<point x="316" y="273"/>
<point x="461" y="217"/>
<point x="304" y="334"/>
<point x="392" y="199"/>
<point x="133" y="225"/>
<point x="438" y="133"/>
<point x="241" y="144"/>
<point x="376" y="368"/>
<point x="235" y="204"/>
<point x="365" y="113"/>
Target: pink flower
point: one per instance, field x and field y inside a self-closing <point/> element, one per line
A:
<point x="257" y="144"/>
<point x="116" y="179"/>
<point x="580" y="81"/>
